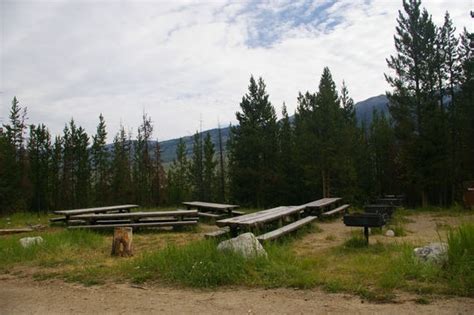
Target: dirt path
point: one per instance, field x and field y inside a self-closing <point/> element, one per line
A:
<point x="25" y="296"/>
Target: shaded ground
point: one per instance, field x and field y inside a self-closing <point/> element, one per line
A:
<point x="19" y="296"/>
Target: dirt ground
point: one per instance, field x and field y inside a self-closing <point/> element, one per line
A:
<point x="26" y="296"/>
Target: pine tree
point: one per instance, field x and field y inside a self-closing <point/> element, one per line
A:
<point x="413" y="104"/>
<point x="82" y="171"/>
<point x="221" y="173"/>
<point x="143" y="166"/>
<point x="382" y="147"/>
<point x="159" y="177"/>
<point x="196" y="168"/>
<point x="178" y="179"/>
<point x="121" y="187"/>
<point x="209" y="169"/>
<point x="55" y="174"/>
<point x="254" y="149"/>
<point x="17" y="184"/>
<point x="287" y="168"/>
<point x="39" y="154"/>
<point x="100" y="164"/>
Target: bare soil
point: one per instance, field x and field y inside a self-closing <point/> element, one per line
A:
<point x="23" y="295"/>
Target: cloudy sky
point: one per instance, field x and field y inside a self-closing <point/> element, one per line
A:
<point x="188" y="61"/>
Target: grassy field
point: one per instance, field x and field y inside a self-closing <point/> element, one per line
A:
<point x="184" y="258"/>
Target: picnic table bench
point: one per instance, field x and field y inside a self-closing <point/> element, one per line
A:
<point x="135" y="219"/>
<point x="213" y="210"/>
<point x="261" y="220"/>
<point x="68" y="213"/>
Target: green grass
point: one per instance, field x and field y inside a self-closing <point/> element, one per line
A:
<point x="23" y="219"/>
<point x="460" y="266"/>
<point x="373" y="272"/>
<point x="57" y="248"/>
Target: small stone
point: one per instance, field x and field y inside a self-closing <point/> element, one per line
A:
<point x="28" y="241"/>
<point x="390" y="233"/>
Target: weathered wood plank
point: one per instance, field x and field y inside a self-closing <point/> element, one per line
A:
<point x="155" y="224"/>
<point x="286" y="229"/>
<point x="136" y="215"/>
<point x="95" y="210"/>
<point x="218" y="233"/>
<point x="261" y="216"/>
<point x="14" y="231"/>
<point x="210" y="215"/>
<point x="322" y="202"/>
<point x="209" y="205"/>
<point x="338" y="209"/>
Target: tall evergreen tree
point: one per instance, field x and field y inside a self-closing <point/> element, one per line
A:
<point x="178" y="180"/>
<point x="16" y="179"/>
<point x="196" y="168"/>
<point x="254" y="149"/>
<point x="121" y="177"/>
<point x="56" y="173"/>
<point x="418" y="121"/>
<point x="288" y="192"/>
<point x="221" y="192"/>
<point x="143" y="165"/>
<point x="209" y="169"/>
<point x="39" y="154"/>
<point x="159" y="177"/>
<point x="100" y="164"/>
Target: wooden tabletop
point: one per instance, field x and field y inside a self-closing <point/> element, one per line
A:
<point x="136" y="215"/>
<point x="95" y="210"/>
<point x="259" y="217"/>
<point x="209" y="205"/>
<point x="321" y="202"/>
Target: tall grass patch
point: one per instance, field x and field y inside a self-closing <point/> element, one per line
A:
<point x="198" y="265"/>
<point x="461" y="258"/>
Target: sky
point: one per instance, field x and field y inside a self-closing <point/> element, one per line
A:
<point x="187" y="64"/>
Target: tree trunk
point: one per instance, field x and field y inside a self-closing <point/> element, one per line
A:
<point x="122" y="242"/>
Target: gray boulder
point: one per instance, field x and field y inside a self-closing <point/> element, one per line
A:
<point x="434" y="252"/>
<point x="28" y="241"/>
<point x="245" y="244"/>
<point x="390" y="233"/>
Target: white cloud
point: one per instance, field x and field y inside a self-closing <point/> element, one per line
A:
<point x="186" y="61"/>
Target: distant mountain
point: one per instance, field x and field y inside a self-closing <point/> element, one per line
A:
<point x="168" y="147"/>
<point x="364" y="110"/>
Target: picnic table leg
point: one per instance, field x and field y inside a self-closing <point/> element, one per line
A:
<point x="366" y="234"/>
<point x="233" y="231"/>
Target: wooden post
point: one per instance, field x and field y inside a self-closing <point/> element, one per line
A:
<point x="122" y="242"/>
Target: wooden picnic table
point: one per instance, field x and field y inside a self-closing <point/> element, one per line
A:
<point x="215" y="207"/>
<point x="135" y="216"/>
<point x="258" y="220"/>
<point x="320" y="205"/>
<point x="119" y="208"/>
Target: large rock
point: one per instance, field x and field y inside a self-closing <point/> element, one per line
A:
<point x="434" y="252"/>
<point x="28" y="241"/>
<point x="245" y="244"/>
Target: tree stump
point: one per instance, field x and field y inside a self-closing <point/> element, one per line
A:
<point x="122" y="242"/>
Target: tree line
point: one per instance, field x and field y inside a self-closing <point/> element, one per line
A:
<point x="423" y="149"/>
